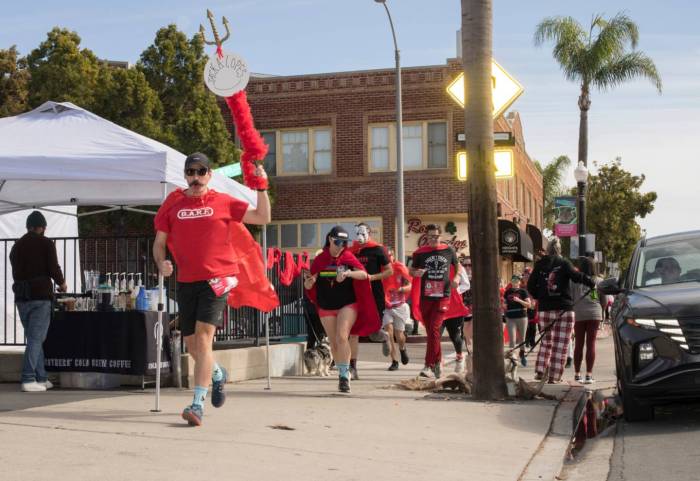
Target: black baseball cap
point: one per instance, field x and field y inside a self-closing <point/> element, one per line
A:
<point x="337" y="232"/>
<point x="197" y="158"/>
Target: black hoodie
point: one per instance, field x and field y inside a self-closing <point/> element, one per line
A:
<point x="549" y="283"/>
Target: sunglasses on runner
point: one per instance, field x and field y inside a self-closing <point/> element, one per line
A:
<point x="202" y="171"/>
<point x="339" y="242"/>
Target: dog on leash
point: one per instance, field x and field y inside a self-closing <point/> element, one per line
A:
<point x="318" y="360"/>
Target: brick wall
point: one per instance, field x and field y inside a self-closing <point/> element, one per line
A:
<point x="349" y="102"/>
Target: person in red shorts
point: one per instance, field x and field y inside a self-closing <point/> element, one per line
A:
<point x="199" y="225"/>
<point x="338" y="285"/>
<point x="434" y="295"/>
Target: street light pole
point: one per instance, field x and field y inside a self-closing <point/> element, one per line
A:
<point x="581" y="176"/>
<point x="400" y="254"/>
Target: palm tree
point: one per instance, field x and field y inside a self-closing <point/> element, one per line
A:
<point x="597" y="58"/>
<point x="552" y="176"/>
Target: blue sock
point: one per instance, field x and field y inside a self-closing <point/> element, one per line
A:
<point x="343" y="369"/>
<point x="200" y="394"/>
<point x="217" y="374"/>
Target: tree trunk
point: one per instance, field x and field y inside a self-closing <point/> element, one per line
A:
<point x="584" y="103"/>
<point x="477" y="41"/>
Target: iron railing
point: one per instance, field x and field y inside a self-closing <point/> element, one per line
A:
<point x="244" y="326"/>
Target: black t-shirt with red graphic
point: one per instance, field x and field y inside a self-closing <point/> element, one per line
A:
<point x="374" y="258"/>
<point x="435" y="283"/>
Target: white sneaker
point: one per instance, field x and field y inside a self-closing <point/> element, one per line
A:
<point x="459" y="365"/>
<point x="426" y="372"/>
<point x="33" y="387"/>
<point x="48" y="384"/>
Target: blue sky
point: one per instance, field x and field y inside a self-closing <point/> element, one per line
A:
<point x="654" y="134"/>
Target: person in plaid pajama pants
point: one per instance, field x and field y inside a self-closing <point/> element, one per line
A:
<point x="554" y="347"/>
<point x="549" y="283"/>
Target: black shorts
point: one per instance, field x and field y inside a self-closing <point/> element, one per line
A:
<point x="197" y="302"/>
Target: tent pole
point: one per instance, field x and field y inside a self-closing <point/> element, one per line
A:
<point x="264" y="314"/>
<point x="159" y="326"/>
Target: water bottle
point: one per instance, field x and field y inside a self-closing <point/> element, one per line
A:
<point x="142" y="300"/>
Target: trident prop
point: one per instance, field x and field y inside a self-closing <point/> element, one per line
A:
<point x="217" y="41"/>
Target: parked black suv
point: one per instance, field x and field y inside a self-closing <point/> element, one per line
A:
<point x="656" y="324"/>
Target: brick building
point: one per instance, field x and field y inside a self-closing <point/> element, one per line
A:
<point x="332" y="157"/>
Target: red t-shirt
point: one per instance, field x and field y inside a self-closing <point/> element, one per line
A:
<point x="400" y="277"/>
<point x="198" y="231"/>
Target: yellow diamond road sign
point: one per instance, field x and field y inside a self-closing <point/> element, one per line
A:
<point x="505" y="89"/>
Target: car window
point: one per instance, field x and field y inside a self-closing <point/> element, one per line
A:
<point x="669" y="263"/>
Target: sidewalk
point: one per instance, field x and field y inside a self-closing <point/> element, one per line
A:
<point x="375" y="432"/>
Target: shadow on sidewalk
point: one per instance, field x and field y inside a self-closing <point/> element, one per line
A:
<point x="12" y="399"/>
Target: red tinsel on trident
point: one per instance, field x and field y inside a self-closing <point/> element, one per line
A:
<point x="254" y="147"/>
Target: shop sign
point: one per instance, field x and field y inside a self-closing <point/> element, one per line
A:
<point x="455" y="236"/>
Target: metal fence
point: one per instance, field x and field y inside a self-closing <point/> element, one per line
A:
<point x="243" y="326"/>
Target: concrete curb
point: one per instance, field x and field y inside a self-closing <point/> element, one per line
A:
<point x="548" y="461"/>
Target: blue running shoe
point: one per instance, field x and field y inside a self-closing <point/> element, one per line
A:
<point x="218" y="395"/>
<point x="193" y="414"/>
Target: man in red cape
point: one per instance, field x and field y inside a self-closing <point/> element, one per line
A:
<point x="204" y="231"/>
<point x="434" y="296"/>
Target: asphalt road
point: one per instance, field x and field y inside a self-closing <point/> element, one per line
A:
<point x="667" y="448"/>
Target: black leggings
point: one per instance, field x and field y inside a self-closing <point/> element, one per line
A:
<point x="455" y="329"/>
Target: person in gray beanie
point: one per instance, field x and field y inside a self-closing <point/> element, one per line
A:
<point x="34" y="266"/>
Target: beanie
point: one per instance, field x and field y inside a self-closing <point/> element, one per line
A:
<point x="36" y="219"/>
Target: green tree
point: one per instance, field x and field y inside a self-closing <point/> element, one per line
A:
<point x="552" y="176"/>
<point x="596" y="57"/>
<point x="613" y="206"/>
<point x="61" y="71"/>
<point x="127" y="99"/>
<point x="174" y="67"/>
<point x="14" y="83"/>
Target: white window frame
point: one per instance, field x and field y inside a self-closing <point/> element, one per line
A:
<point x="376" y="234"/>
<point x="311" y="149"/>
<point x="392" y="145"/>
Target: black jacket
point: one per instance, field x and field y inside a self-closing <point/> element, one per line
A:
<point x="549" y="283"/>
<point x="33" y="258"/>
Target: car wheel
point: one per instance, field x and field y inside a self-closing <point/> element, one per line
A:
<point x="632" y="409"/>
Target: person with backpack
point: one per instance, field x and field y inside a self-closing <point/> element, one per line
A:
<point x="549" y="283"/>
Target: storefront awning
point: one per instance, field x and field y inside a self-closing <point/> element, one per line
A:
<point x="536" y="235"/>
<point x="513" y="242"/>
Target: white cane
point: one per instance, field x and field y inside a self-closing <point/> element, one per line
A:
<point x="159" y="341"/>
<point x="159" y="326"/>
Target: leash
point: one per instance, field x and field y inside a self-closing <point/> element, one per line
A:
<point x="548" y="328"/>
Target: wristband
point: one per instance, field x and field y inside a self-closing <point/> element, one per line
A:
<point x="261" y="190"/>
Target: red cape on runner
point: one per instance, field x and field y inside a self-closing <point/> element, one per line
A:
<point x="368" y="320"/>
<point x="253" y="289"/>
<point x="357" y="247"/>
<point x="456" y="307"/>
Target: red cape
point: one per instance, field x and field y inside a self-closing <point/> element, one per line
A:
<point x="368" y="320"/>
<point x="357" y="247"/>
<point x="456" y="307"/>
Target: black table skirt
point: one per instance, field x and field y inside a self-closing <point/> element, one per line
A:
<point x="106" y="342"/>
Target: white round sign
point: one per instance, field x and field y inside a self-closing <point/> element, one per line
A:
<point x="227" y="75"/>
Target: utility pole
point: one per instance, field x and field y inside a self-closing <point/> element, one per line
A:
<point x="477" y="46"/>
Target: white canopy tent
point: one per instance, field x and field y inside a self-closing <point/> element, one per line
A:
<point x="60" y="154"/>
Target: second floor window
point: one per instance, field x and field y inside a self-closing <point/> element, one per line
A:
<point x="424" y="146"/>
<point x="299" y="151"/>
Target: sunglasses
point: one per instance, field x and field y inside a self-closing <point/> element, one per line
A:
<point x="200" y="172"/>
<point x="339" y="242"/>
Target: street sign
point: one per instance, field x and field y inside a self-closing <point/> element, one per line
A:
<point x="505" y="89"/>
